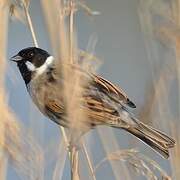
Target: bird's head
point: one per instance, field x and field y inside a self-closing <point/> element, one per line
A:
<point x="32" y="61"/>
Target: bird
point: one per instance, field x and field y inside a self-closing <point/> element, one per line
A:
<point x="103" y="102"/>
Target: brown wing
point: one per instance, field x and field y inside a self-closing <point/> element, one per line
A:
<point x="113" y="92"/>
<point x="55" y="111"/>
<point x="97" y="112"/>
<point x="95" y="106"/>
<point x="54" y="106"/>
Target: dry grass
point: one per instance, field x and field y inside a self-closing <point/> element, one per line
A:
<point x="167" y="32"/>
<point x="67" y="54"/>
<point x="139" y="163"/>
<point x="175" y="159"/>
<point x="24" y="152"/>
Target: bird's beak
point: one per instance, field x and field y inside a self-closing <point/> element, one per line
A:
<point x="16" y="58"/>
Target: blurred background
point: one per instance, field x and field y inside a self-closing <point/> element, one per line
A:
<point x="136" y="42"/>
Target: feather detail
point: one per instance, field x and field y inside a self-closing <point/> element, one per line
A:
<point x="112" y="91"/>
<point x="157" y="140"/>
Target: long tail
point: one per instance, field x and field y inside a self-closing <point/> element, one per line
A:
<point x="152" y="137"/>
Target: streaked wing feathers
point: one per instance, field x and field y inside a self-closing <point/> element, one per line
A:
<point x="113" y="92"/>
<point x="54" y="106"/>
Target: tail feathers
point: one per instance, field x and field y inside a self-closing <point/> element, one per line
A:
<point x="152" y="137"/>
<point x="130" y="103"/>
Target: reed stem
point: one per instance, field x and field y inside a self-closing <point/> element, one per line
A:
<point x="29" y="21"/>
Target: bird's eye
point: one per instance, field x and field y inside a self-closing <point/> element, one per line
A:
<point x="31" y="54"/>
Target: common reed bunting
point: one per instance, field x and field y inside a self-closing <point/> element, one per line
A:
<point x="103" y="102"/>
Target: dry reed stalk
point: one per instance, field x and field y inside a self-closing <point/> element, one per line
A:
<point x="71" y="30"/>
<point x="172" y="35"/>
<point x="29" y="21"/>
<point x="175" y="158"/>
<point x="3" y="36"/>
<point x="139" y="163"/>
<point x="169" y="35"/>
<point x="87" y="10"/>
<point x="11" y="142"/>
<point x="66" y="54"/>
<point x="74" y="154"/>
<point x="110" y="144"/>
<point x="161" y="85"/>
<point x="25" y="7"/>
<point x="3" y="39"/>
<point x="177" y="51"/>
<point x="62" y="153"/>
<point x="24" y="153"/>
<point x="53" y="18"/>
<point x="158" y="97"/>
<point x="88" y="160"/>
<point x="74" y="158"/>
<point x="84" y="149"/>
<point x="15" y="140"/>
<point x="26" y="19"/>
<point x="145" y="16"/>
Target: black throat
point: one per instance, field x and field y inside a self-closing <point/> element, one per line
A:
<point x="26" y="74"/>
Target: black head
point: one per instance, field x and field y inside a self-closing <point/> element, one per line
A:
<point x="30" y="61"/>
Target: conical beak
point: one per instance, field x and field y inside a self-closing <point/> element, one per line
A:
<point x="16" y="58"/>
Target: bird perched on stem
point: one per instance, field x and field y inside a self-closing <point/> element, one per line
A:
<point x="102" y="102"/>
